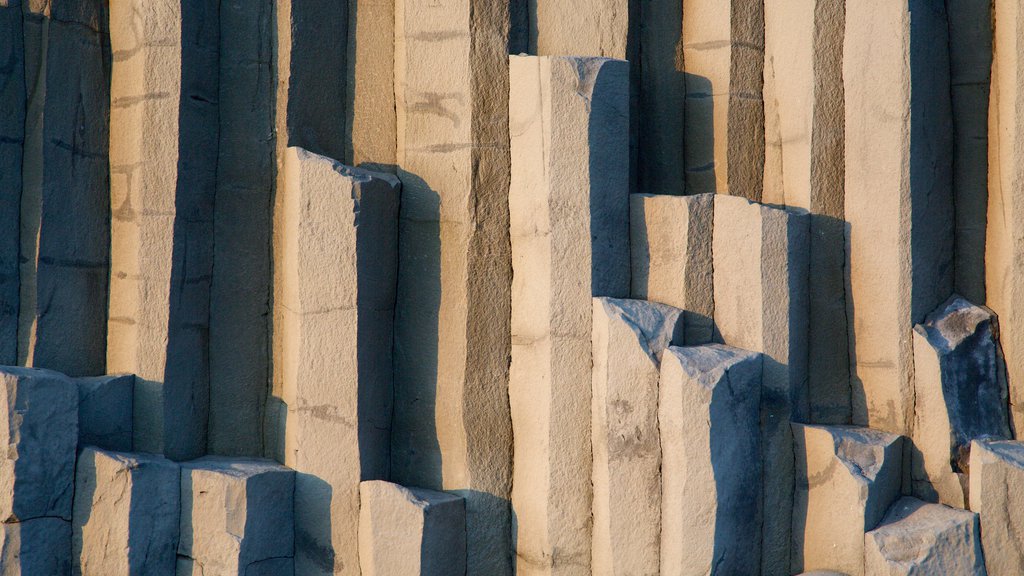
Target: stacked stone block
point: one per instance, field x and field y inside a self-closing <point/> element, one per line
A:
<point x="920" y="538"/>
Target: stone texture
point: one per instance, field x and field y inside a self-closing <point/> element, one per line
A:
<point x="761" y="266"/>
<point x="125" y="514"/>
<point x="629" y="337"/>
<point x="899" y="199"/>
<point x="996" y="486"/>
<point x="371" y="126"/>
<point x="38" y="546"/>
<point x="12" y="142"/>
<point x="711" y="506"/>
<point x="410" y="531"/>
<point x="847" y="477"/>
<point x="453" y="430"/>
<point x="803" y="95"/>
<point x="339" y="271"/>
<point x="723" y="51"/>
<point x="919" y="538"/>
<point x="670" y="257"/>
<point x="570" y="239"/>
<point x="105" y="411"/>
<point x="960" y="395"/>
<point x="662" y="99"/>
<point x="235" y="513"/>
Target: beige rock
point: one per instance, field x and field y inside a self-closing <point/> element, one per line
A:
<point x="723" y="52"/>
<point x="917" y="538"/>
<point x="711" y="507"/>
<point x="126" y="514"/>
<point x="899" y="203"/>
<point x="760" y="263"/>
<point x="997" y="474"/>
<point x="629" y="337"/>
<point x="410" y="531"/>
<point x="338" y="268"/>
<point x="371" y="120"/>
<point x="453" y="430"/>
<point x="235" y="513"/>
<point x="569" y="222"/>
<point x="847" y="477"/>
<point x="670" y="257"/>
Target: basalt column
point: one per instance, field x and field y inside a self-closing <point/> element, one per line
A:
<point x="12" y="141"/>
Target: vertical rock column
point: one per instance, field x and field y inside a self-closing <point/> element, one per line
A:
<point x="452" y="425"/>
<point x="919" y="538"/>
<point x="569" y="217"/>
<point x="997" y="484"/>
<point x="803" y="96"/>
<point x="338" y="268"/>
<point x="723" y="51"/>
<point x="12" y="142"/>
<point x="899" y="199"/>
<point x="371" y="117"/>
<point x="163" y="183"/>
<point x="761" y="263"/>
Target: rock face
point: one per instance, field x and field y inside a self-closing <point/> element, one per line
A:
<point x="760" y="263"/>
<point x="961" y="395"/>
<point x="847" y="477"/>
<point x="105" y="412"/>
<point x="899" y="198"/>
<point x="410" y="531"/>
<point x="997" y="475"/>
<point x="452" y="338"/>
<point x="235" y="514"/>
<point x="670" y="257"/>
<point x="37" y="546"/>
<point x="629" y="338"/>
<point x="12" y="142"/>
<point x="711" y="503"/>
<point x="920" y="538"/>
<point x="125" y="514"/>
<point x="569" y="243"/>
<point x="340" y="245"/>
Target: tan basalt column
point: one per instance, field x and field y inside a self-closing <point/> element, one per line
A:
<point x="899" y="199"/>
<point x="1004" y="271"/>
<point x="569" y="223"/>
<point x="723" y="53"/>
<point x="371" y="128"/>
<point x="803" y="98"/>
<point x="452" y="428"/>
<point x="629" y="338"/>
<point x="338" y="269"/>
<point x="997" y="485"/>
<point x="761" y="263"/>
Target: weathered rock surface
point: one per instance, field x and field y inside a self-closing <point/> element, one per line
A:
<point x="125" y="514"/>
<point x="670" y="256"/>
<point x="410" y="531"/>
<point x="760" y="261"/>
<point x="339" y="268"/>
<point x="960" y="395"/>
<point x="996" y="488"/>
<point x="899" y="197"/>
<point x="38" y="546"/>
<point x="711" y="508"/>
<point x="846" y="479"/>
<point x="629" y="338"/>
<point x="105" y="411"/>
<point x="920" y="538"/>
<point x="569" y="228"/>
<point x="12" y="142"/>
<point x="235" y="514"/>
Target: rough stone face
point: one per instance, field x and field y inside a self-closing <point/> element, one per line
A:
<point x="453" y="430"/>
<point x="920" y="538"/>
<point x="670" y="256"/>
<point x="997" y="484"/>
<point x="125" y="514"/>
<point x="38" y="546"/>
<point x="235" y="514"/>
<point x="960" y="395"/>
<point x="662" y="99"/>
<point x="339" y="268"/>
<point x="723" y="52"/>
<point x="12" y="142"/>
<point x="410" y="531"/>
<point x="846" y="479"/>
<point x="761" y="264"/>
<point x="371" y="118"/>
<point x="105" y="411"/>
<point x="629" y="337"/>
<point x="569" y="223"/>
<point x="711" y="506"/>
<point x="899" y="198"/>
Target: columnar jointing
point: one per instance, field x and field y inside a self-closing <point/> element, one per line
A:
<point x="452" y="425"/>
<point x="12" y="140"/>
<point x="569" y="203"/>
<point x="899" y="203"/>
<point x="339" y="240"/>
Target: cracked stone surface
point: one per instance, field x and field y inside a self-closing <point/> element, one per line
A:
<point x="917" y="538"/>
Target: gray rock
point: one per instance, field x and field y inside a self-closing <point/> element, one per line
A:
<point x="41" y="546"/>
<point x="996" y="488"/>
<point x="105" y="412"/>
<point x="917" y="538"/>
<point x="12" y="141"/>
